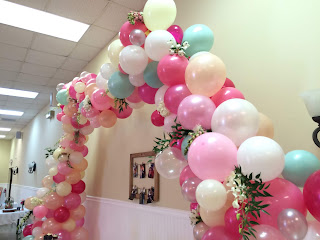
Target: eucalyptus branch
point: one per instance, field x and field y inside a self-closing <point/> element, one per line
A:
<point x="119" y="103"/>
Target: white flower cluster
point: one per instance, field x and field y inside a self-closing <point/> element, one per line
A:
<point x="178" y="48"/>
<point x="237" y="189"/>
<point x="164" y="112"/>
<point x="194" y="217"/>
<point x="86" y="103"/>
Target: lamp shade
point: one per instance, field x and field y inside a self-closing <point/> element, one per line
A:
<point x="312" y="101"/>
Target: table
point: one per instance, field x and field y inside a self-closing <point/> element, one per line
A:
<point x="11" y="217"/>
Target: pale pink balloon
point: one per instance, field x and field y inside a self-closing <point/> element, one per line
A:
<point x="65" y="119"/>
<point x="169" y="122"/>
<point x="225" y="94"/>
<point x="85" y="151"/>
<point x="189" y="187"/>
<point x="87" y="130"/>
<point x="196" y="110"/>
<point x="80" y="234"/>
<point x="63" y="168"/>
<point x="58" y="178"/>
<point x="80" y="223"/>
<point x="72" y="201"/>
<point x="63" y="235"/>
<point x="40" y="211"/>
<point x="185" y="174"/>
<point x="94" y="122"/>
<point x="137" y="80"/>
<point x="217" y="233"/>
<point x="92" y="112"/>
<point x="100" y="100"/>
<point x="212" y="156"/>
<point x="159" y="97"/>
<point x="51" y="226"/>
<point x="174" y="95"/>
<point x="266" y="232"/>
<point x="134" y="97"/>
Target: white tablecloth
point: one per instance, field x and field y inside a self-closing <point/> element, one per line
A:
<point x="11" y="217"/>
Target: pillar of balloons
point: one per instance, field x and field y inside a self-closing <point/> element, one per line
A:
<point x="217" y="143"/>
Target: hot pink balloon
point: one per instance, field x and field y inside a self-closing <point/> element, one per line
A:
<point x="169" y="122"/>
<point x="38" y="223"/>
<point x="196" y="110"/>
<point x="311" y="194"/>
<point x="225" y="94"/>
<point x="193" y="206"/>
<point x="228" y="83"/>
<point x="134" y="97"/>
<point x="217" y="233"/>
<point x="76" y="146"/>
<point x="72" y="201"/>
<point x="40" y="211"/>
<point x="185" y="174"/>
<point x="61" y="214"/>
<point x="147" y="93"/>
<point x="231" y="222"/>
<point x="123" y="114"/>
<point x="80" y="223"/>
<point x="85" y="151"/>
<point x="63" y="235"/>
<point x="50" y="213"/>
<point x="176" y="143"/>
<point x="72" y="92"/>
<point x="80" y="97"/>
<point x="27" y="230"/>
<point x="126" y="29"/>
<point x="285" y="195"/>
<point x="63" y="168"/>
<point x="59" y="116"/>
<point x="171" y="69"/>
<point x="100" y="100"/>
<point x="174" y="95"/>
<point x="157" y="119"/>
<point x="58" y="178"/>
<point x="79" y="187"/>
<point x="176" y="32"/>
<point x="212" y="156"/>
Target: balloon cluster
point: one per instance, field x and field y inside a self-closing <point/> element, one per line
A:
<point x="156" y="62"/>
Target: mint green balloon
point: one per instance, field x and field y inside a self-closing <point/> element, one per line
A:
<point x="120" y="86"/>
<point x="184" y="145"/>
<point x="200" y="38"/>
<point x="299" y="165"/>
<point x="29" y="237"/>
<point x="150" y="75"/>
<point x="62" y="96"/>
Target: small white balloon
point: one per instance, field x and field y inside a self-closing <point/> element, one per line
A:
<point x="41" y="192"/>
<point x="107" y="70"/>
<point x="83" y="74"/>
<point x="137" y="37"/>
<point x="135" y="105"/>
<point x="133" y="59"/>
<point x="101" y="82"/>
<point x="37" y="231"/>
<point x="137" y="80"/>
<point x="79" y="87"/>
<point x="59" y="86"/>
<point x="51" y="162"/>
<point x="160" y="94"/>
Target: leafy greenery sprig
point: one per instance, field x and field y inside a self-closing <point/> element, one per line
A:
<point x="247" y="188"/>
<point x="135" y="16"/>
<point x="23" y="222"/>
<point x="119" y="103"/>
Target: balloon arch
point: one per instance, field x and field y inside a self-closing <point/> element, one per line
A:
<point x="217" y="143"/>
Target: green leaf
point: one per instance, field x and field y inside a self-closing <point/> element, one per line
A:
<point x="265" y="212"/>
<point x="258" y="176"/>
<point x="250" y="176"/>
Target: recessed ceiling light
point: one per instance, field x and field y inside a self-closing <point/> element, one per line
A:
<point x="2" y="136"/>
<point x="42" y="22"/>
<point x="11" y="112"/>
<point x="17" y="93"/>
<point x="5" y="129"/>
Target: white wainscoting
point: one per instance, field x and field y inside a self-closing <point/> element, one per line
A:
<point x="114" y="219"/>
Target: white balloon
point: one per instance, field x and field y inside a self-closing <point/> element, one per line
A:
<point x="261" y="155"/>
<point x="237" y="119"/>
<point x="37" y="231"/>
<point x="41" y="192"/>
<point x="168" y="165"/>
<point x="137" y="80"/>
<point x="83" y="74"/>
<point x="107" y="70"/>
<point x="101" y="82"/>
<point x="160" y="94"/>
<point x="211" y="195"/>
<point x="158" y="44"/>
<point x="51" y="162"/>
<point x="313" y="231"/>
<point x="135" y="105"/>
<point x="133" y="59"/>
<point x="114" y="50"/>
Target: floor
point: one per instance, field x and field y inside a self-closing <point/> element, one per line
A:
<point x="8" y="232"/>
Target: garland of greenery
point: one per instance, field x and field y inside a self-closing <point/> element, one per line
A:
<point x="23" y="222"/>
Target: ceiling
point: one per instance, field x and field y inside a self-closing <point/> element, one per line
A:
<point x="37" y="62"/>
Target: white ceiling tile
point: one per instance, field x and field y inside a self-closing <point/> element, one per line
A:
<point x="74" y="64"/>
<point x="97" y="37"/>
<point x="54" y="82"/>
<point x="43" y="97"/>
<point x="20" y="105"/>
<point x="6" y="84"/>
<point x="65" y="74"/>
<point x="3" y="103"/>
<point x="15" y="36"/>
<point x="53" y="45"/>
<point x="136" y="5"/>
<point x="32" y="87"/>
<point x="8" y="75"/>
<point x="38" y="70"/>
<point x="12" y="52"/>
<point x="45" y="59"/>
<point x="10" y="65"/>
<point x="84" y="52"/>
<point x="19" y="100"/>
<point x="85" y="11"/>
<point x="33" y="79"/>
<point x="38" y="4"/>
<point x="113" y="17"/>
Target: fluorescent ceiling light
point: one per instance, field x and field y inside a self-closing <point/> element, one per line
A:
<point x="2" y="136"/>
<point x="18" y="93"/>
<point x="42" y="22"/>
<point x="5" y="129"/>
<point x="11" y="112"/>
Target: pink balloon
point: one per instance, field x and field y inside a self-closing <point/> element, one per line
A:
<point x="61" y="214"/>
<point x="311" y="194"/>
<point x="169" y="122"/>
<point x="74" y="122"/>
<point x="80" y="97"/>
<point x="176" y="143"/>
<point x="171" y="69"/>
<point x="231" y="222"/>
<point x="63" y="168"/>
<point x="76" y="146"/>
<point x="58" y="178"/>
<point x="266" y="232"/>
<point x="27" y="230"/>
<point x="51" y="226"/>
<point x="225" y="94"/>
<point x="40" y="211"/>
<point x="94" y="122"/>
<point x="196" y="110"/>
<point x="174" y="95"/>
<point x="121" y="70"/>
<point x="228" y="83"/>
<point x="92" y="80"/>
<point x="100" y="100"/>
<point x="85" y="151"/>
<point x="185" y="174"/>
<point x="79" y="187"/>
<point x="176" y="32"/>
<point x="126" y="29"/>
<point x="38" y="223"/>
<point x="63" y="235"/>
<point x="65" y="119"/>
<point x="50" y="213"/>
<point x="92" y="112"/>
<point x="72" y="201"/>
<point x="157" y="119"/>
<point x="80" y="223"/>
<point x="188" y="189"/>
<point x="65" y="143"/>
<point x="134" y="97"/>
<point x="217" y="233"/>
<point x="285" y="195"/>
<point x="59" y="116"/>
<point x="80" y="234"/>
<point x="212" y="156"/>
<point x="123" y="114"/>
<point x="193" y="206"/>
<point x="147" y="93"/>
<point x="72" y="92"/>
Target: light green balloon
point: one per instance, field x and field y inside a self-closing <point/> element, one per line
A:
<point x="184" y="145"/>
<point x="200" y="38"/>
<point x="299" y="165"/>
<point x="150" y="75"/>
<point x="62" y="96"/>
<point x="30" y="237"/>
<point x="120" y="86"/>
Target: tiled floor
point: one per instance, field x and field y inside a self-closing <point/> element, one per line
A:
<point x="8" y="232"/>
